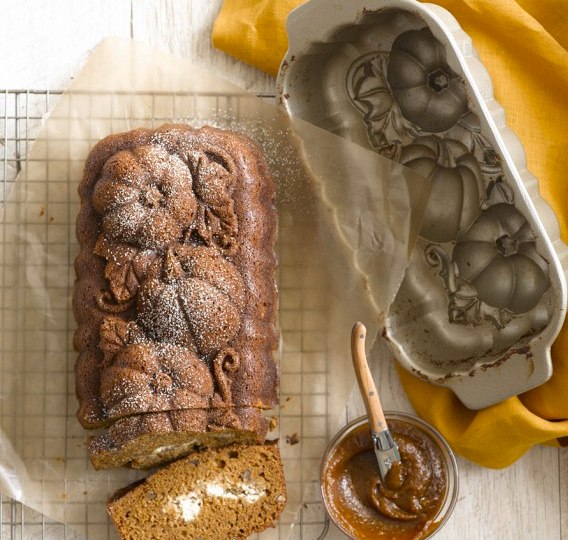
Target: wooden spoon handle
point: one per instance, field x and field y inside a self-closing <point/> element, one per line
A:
<point x="365" y="380"/>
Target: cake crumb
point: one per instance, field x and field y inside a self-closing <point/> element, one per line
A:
<point x="292" y="439"/>
<point x="273" y="424"/>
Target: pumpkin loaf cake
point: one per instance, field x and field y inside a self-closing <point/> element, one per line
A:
<point x="175" y="296"/>
<point x="217" y="494"/>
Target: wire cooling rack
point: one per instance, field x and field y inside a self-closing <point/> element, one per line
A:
<point x="303" y="392"/>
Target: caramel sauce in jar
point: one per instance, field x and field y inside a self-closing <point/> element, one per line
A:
<point x="403" y="507"/>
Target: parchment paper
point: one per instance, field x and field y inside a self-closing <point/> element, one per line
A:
<point x="348" y="222"/>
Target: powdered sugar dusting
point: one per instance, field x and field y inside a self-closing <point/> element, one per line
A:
<point x="159" y="202"/>
<point x="160" y="312"/>
<point x="124" y="222"/>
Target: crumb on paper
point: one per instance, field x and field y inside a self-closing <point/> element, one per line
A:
<point x="51" y="219"/>
<point x="41" y="211"/>
<point x="288" y="398"/>
<point x="292" y="439"/>
<point x="273" y="424"/>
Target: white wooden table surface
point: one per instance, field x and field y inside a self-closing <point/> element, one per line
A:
<point x="42" y="45"/>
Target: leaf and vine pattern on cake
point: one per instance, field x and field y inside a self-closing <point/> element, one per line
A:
<point x="174" y="298"/>
<point x="216" y="221"/>
<point x="416" y="111"/>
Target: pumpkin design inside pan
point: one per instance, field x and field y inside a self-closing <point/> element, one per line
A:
<point x="484" y="287"/>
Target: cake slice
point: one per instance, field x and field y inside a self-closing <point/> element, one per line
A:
<point x="146" y="440"/>
<point x="226" y="493"/>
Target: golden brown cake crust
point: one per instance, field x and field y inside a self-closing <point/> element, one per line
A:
<point x="227" y="493"/>
<point x="177" y="229"/>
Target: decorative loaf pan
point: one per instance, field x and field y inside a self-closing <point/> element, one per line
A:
<point x="484" y="295"/>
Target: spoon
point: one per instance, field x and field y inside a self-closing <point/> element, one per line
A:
<point x="385" y="448"/>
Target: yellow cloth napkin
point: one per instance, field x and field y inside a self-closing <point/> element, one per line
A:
<point x="524" y="45"/>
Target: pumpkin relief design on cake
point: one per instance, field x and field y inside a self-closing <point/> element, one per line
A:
<point x="174" y="299"/>
<point x="196" y="302"/>
<point x="415" y="109"/>
<point x="145" y="377"/>
<point x="145" y="197"/>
